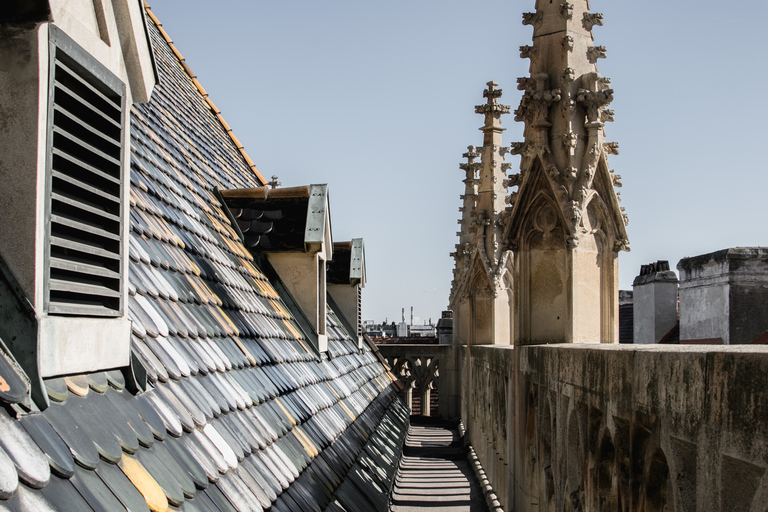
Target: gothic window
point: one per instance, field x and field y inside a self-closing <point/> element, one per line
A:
<point x="84" y="188"/>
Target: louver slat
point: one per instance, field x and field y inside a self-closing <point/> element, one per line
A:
<point x="56" y="219"/>
<point x="83" y="268"/>
<point x="84" y="146"/>
<point x="85" y="249"/>
<point x="84" y="207"/>
<point x="71" y="160"/>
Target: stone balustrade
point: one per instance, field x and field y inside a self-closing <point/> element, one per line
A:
<point x="420" y="367"/>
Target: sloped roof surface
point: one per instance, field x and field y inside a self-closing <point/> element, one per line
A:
<point x="239" y="413"/>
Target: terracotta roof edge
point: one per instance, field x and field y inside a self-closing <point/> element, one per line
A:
<point x="204" y="94"/>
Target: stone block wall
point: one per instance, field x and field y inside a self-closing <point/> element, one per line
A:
<point x="609" y="427"/>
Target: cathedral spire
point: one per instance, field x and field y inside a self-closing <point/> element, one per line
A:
<point x="492" y="189"/>
<point x="564" y="107"/>
<point x="469" y="198"/>
<point x="480" y="292"/>
<point x="565" y="222"/>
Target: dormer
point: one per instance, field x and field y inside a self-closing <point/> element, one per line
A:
<point x="69" y="74"/>
<point x="346" y="280"/>
<point x="292" y="228"/>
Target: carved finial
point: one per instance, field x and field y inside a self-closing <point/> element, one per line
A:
<point x="569" y="141"/>
<point x="568" y="43"/>
<point x="493" y="93"/>
<point x="470" y="167"/>
<point x="529" y="52"/>
<point x="513" y="180"/>
<point x="534" y="106"/>
<point x="526" y="84"/>
<point x="569" y="74"/>
<point x="596" y="52"/>
<point x="594" y="101"/>
<point x="516" y="148"/>
<point x="553" y="171"/>
<point x="532" y="18"/>
<point x="274" y="183"/>
<point x="492" y="106"/>
<point x="471" y="154"/>
<point x="611" y="148"/>
<point x="592" y="19"/>
<point x="566" y="10"/>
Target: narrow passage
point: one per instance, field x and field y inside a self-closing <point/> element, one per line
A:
<point x="434" y="474"/>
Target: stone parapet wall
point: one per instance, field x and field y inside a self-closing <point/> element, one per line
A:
<point x="608" y="427"/>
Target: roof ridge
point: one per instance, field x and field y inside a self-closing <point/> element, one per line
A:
<point x="216" y="112"/>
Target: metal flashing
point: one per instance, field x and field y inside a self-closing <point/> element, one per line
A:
<point x="357" y="262"/>
<point x="318" y="217"/>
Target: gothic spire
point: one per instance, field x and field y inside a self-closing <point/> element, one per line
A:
<point x="564" y="108"/>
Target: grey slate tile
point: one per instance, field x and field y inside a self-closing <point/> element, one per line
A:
<point x="58" y="454"/>
<point x="61" y="492"/>
<point x="95" y="492"/>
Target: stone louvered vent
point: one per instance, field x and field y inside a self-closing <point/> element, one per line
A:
<point x="85" y="207"/>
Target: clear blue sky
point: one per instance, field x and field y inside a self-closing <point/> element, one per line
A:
<point x="377" y="100"/>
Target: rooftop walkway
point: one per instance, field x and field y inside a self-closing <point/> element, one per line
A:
<point x="434" y="473"/>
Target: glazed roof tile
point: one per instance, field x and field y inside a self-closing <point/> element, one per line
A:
<point x="240" y="413"/>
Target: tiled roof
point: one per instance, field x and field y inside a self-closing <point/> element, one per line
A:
<point x="183" y="62"/>
<point x="239" y="413"/>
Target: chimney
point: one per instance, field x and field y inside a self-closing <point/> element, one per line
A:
<point x="723" y="295"/>
<point x="655" y="302"/>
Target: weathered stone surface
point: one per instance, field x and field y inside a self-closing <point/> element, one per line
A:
<point x="593" y="425"/>
<point x="722" y="295"/>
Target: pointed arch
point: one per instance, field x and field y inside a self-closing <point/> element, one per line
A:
<point x="658" y="488"/>
<point x="543" y="273"/>
<point x="596" y="260"/>
<point x="481" y="294"/>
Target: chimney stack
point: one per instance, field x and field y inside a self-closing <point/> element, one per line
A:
<point x="723" y="295"/>
<point x="655" y="302"/>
